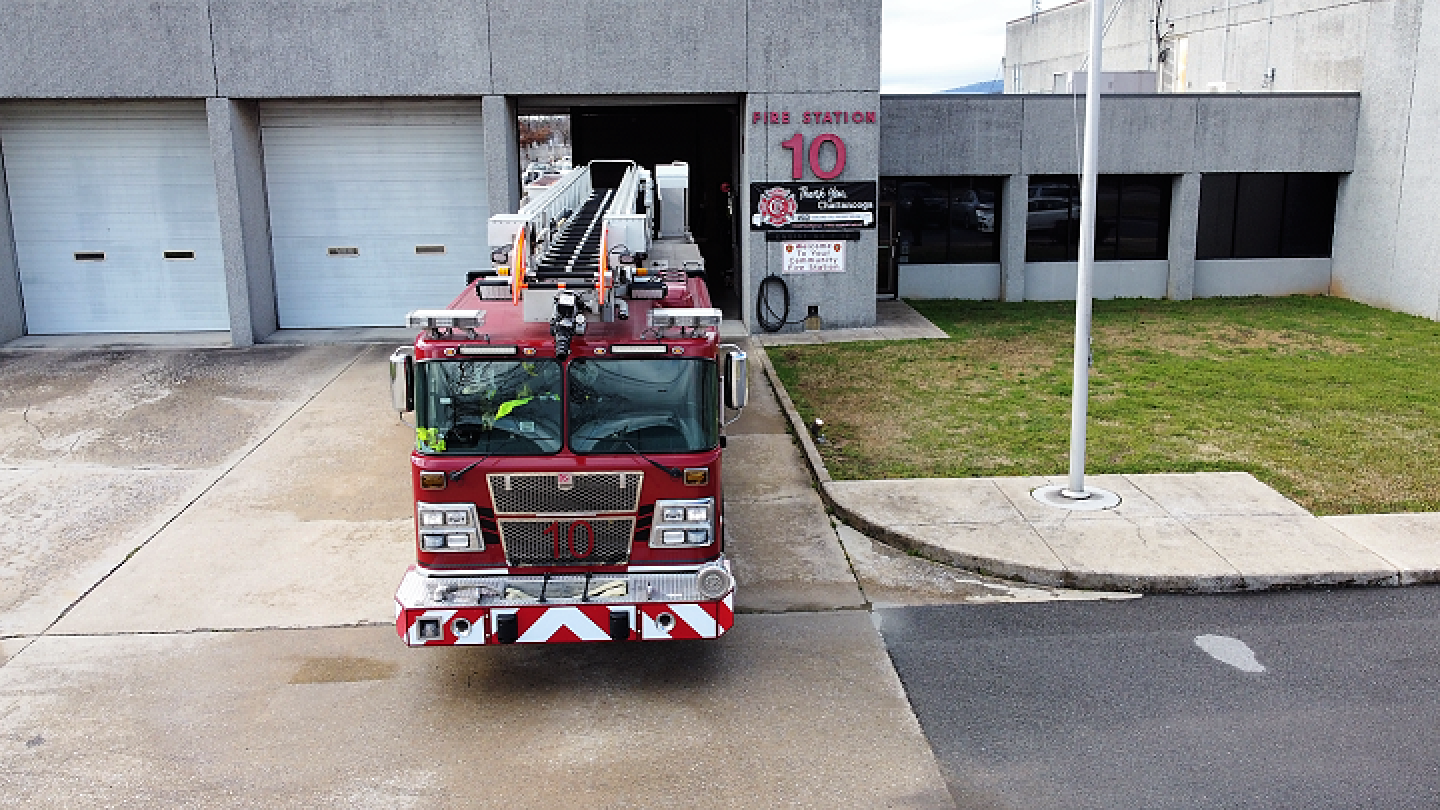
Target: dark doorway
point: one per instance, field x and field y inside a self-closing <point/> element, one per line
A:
<point x="887" y="281"/>
<point x="706" y="136"/>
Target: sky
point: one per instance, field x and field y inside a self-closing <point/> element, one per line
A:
<point x="928" y="46"/>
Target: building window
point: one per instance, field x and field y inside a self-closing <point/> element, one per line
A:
<point x="945" y="220"/>
<point x="1132" y="218"/>
<point x="1266" y="216"/>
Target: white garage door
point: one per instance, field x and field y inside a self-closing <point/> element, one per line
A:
<point x="376" y="209"/>
<point x="115" y="220"/>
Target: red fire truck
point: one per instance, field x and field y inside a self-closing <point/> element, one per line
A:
<point x="569" y="409"/>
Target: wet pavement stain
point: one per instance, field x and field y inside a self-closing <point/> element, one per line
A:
<point x="344" y="669"/>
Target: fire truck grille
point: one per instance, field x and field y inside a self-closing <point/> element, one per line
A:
<point x="567" y="542"/>
<point x="556" y="493"/>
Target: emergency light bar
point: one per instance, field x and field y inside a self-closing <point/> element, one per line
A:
<point x="488" y="350"/>
<point x="445" y="318"/>
<point x="685" y="318"/>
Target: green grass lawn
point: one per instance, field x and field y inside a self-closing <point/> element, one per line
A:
<point x="1333" y="403"/>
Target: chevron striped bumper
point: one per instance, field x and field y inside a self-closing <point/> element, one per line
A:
<point x="656" y="604"/>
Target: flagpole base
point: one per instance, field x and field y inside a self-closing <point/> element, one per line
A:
<point x="1093" y="499"/>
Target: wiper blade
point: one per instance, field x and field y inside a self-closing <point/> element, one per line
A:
<point x="455" y="476"/>
<point x="673" y="472"/>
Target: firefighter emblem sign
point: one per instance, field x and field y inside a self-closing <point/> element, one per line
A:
<point x="812" y="206"/>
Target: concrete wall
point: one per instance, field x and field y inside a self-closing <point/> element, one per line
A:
<point x="502" y="152"/>
<point x="342" y="48"/>
<point x="1184" y="230"/>
<point x="799" y="46"/>
<point x="1055" y="281"/>
<point x="642" y="46"/>
<point x="1153" y="134"/>
<point x="105" y="49"/>
<point x="1385" y="242"/>
<point x="1183" y="136"/>
<point x="1313" y="46"/>
<point x="244" y="218"/>
<point x="281" y="48"/>
<point x="844" y="299"/>
<point x="237" y="52"/>
<point x="12" y="311"/>
<point x="975" y="282"/>
<point x="951" y="134"/>
<point x="1234" y="277"/>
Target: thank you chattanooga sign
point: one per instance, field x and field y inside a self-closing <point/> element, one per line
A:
<point x="814" y="206"/>
<point x="814" y="257"/>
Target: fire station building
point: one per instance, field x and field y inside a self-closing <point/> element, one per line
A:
<point x="243" y="167"/>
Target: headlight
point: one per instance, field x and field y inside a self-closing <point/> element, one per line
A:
<point x="713" y="581"/>
<point x="683" y="523"/>
<point x="456" y="525"/>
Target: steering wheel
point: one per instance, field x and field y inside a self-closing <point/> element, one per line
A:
<point x="466" y="433"/>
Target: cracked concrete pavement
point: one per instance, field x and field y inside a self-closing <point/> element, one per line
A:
<point x="200" y="549"/>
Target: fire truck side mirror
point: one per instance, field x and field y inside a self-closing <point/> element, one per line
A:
<point x="402" y="379"/>
<point x="737" y="382"/>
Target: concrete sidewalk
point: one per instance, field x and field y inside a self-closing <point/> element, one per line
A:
<point x="1171" y="532"/>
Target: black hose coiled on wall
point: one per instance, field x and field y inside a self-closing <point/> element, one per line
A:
<point x="771" y="321"/>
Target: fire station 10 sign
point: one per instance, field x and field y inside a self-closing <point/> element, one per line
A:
<point x="814" y="257"/>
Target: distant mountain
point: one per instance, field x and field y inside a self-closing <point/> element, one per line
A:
<point x="995" y="86"/>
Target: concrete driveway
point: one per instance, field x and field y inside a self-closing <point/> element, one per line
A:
<point x="199" y="552"/>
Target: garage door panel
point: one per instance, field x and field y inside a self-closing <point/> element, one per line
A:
<point x="131" y="180"/>
<point x="117" y="210"/>
<point x="381" y="179"/>
<point x="396" y="217"/>
<point x="375" y="288"/>
<point x="168" y="230"/>
<point x="102" y="296"/>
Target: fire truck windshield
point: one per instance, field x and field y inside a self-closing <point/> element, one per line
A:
<point x="645" y="406"/>
<point x="491" y="407"/>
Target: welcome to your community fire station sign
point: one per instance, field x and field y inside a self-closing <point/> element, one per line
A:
<point x="814" y="257"/>
<point x="815" y="206"/>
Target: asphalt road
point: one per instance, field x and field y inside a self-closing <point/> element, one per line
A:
<point x="1305" y="699"/>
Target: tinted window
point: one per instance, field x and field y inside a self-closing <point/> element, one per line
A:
<point x="1132" y="218"/>
<point x="1142" y="230"/>
<point x="1216" y="230"/>
<point x="487" y="407"/>
<point x="921" y="218"/>
<point x="1308" y="225"/>
<point x="646" y="406"/>
<point x="1052" y="221"/>
<point x="1266" y="216"/>
<point x="1259" y="207"/>
<point x="945" y="220"/>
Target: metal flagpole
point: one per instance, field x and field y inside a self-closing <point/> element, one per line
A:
<point x="1075" y="495"/>
<point x="1080" y="392"/>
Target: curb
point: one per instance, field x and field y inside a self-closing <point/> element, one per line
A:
<point x="797" y="425"/>
<point x="1060" y="576"/>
